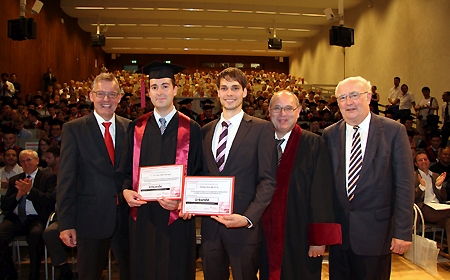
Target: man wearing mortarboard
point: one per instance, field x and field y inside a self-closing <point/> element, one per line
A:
<point x="162" y="241"/>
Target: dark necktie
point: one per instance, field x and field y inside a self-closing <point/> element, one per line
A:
<point x="355" y="163"/>
<point x="108" y="141"/>
<point x="163" y="125"/>
<point x="220" y="154"/>
<point x="22" y="210"/>
<point x="279" y="150"/>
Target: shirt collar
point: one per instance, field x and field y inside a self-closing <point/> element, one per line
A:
<point x="364" y="125"/>
<point x="233" y="120"/>
<point x="168" y="117"/>
<point x="33" y="175"/>
<point x="100" y="120"/>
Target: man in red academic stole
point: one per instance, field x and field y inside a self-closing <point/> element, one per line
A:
<point x="299" y="222"/>
<point x="162" y="244"/>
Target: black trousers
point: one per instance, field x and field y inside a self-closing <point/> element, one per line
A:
<point x="346" y="265"/>
<point x="32" y="228"/>
<point x="92" y="254"/>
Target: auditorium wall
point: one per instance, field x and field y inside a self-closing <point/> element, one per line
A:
<point x="405" y="38"/>
<point x="61" y="44"/>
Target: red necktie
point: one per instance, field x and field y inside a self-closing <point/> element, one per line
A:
<point x="109" y="141"/>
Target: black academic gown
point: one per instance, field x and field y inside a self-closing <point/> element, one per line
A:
<point x="159" y="251"/>
<point x="309" y="210"/>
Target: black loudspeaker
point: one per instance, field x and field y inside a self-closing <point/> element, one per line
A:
<point x="22" y="29"/>
<point x="98" y="40"/>
<point x="274" y="44"/>
<point x="341" y="36"/>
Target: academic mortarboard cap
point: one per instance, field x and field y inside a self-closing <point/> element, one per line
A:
<point x="9" y="130"/>
<point x="408" y="118"/>
<point x="312" y="104"/>
<point x="33" y="113"/>
<point x="324" y="111"/>
<point x="185" y="101"/>
<point x="333" y="104"/>
<point x="84" y="106"/>
<point x="315" y="119"/>
<point x="322" y="101"/>
<point x="206" y="102"/>
<point x="304" y="126"/>
<point x="207" y="107"/>
<point x="159" y="69"/>
<point x="31" y="103"/>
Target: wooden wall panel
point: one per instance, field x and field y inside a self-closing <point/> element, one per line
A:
<point x="61" y="44"/>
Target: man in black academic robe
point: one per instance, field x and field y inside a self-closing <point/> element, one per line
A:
<point x="299" y="222"/>
<point x="160" y="250"/>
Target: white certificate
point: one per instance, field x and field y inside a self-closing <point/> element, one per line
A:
<point x="161" y="181"/>
<point x="208" y="195"/>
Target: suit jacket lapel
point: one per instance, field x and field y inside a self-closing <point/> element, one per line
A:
<point x="243" y="129"/>
<point x="96" y="133"/>
<point x="210" y="159"/>
<point x="375" y="129"/>
<point x="120" y="131"/>
<point x="341" y="170"/>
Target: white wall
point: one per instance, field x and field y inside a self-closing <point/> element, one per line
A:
<point x="405" y="38"/>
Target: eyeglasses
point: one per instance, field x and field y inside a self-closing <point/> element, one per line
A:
<point x="352" y="95"/>
<point x="287" y="109"/>
<point x="102" y="94"/>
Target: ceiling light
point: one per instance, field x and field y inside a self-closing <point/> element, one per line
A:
<point x="89" y="8"/>
<point x="127" y="24"/>
<point x="258" y="50"/>
<point x="173" y="38"/>
<point x="235" y="27"/>
<point x="290" y="14"/>
<point x="149" y="24"/>
<point x="143" y="9"/>
<point x="289" y="42"/>
<point x="153" y="38"/>
<point x="214" y="26"/>
<point x="215" y="10"/>
<point x="265" y="12"/>
<point x="121" y="48"/>
<point x="104" y="24"/>
<point x="256" y="27"/>
<point x="248" y="40"/>
<point x="193" y="10"/>
<point x="192" y="25"/>
<point x="298" y="29"/>
<point x="225" y="50"/>
<point x="157" y="48"/>
<point x="135" y="38"/>
<point x="117" y="8"/>
<point x="211" y="39"/>
<point x="115" y="38"/>
<point x="168" y="9"/>
<point x="170" y="25"/>
<point x="208" y="49"/>
<point x="190" y="39"/>
<point x="242" y="11"/>
<point x="140" y="48"/>
<point x="229" y="39"/>
<point x="313" y="15"/>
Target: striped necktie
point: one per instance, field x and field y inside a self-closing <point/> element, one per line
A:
<point x="163" y="125"/>
<point x="279" y="150"/>
<point x="22" y="208"/>
<point x="220" y="154"/>
<point x="355" y="163"/>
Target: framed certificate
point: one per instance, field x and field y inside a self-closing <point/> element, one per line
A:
<point x="161" y="181"/>
<point x="208" y="195"/>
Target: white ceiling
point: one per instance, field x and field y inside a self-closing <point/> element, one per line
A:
<point x="224" y="27"/>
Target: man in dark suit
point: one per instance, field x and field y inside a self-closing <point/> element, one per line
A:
<point x="28" y="202"/>
<point x="374" y="180"/>
<point x="249" y="154"/>
<point x="430" y="188"/>
<point x="90" y="209"/>
<point x="49" y="78"/>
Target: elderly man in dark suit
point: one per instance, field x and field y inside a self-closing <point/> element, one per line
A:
<point x="374" y="180"/>
<point x="89" y="205"/>
<point x="249" y="154"/>
<point x="28" y="202"/>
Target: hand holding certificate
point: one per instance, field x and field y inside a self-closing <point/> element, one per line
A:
<point x="161" y="181"/>
<point x="209" y="196"/>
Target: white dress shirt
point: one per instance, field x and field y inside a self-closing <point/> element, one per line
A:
<point x="112" y="127"/>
